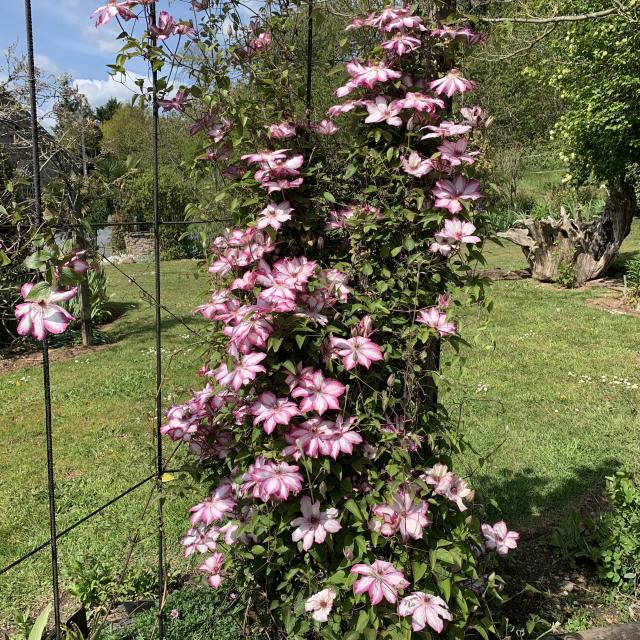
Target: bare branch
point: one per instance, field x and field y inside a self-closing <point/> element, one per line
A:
<point x="593" y="15"/>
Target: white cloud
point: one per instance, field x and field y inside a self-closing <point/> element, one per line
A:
<point x="99" y="91"/>
<point x="103" y="39"/>
<point x="46" y="64"/>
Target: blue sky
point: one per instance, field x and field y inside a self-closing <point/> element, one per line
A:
<point x="66" y="41"/>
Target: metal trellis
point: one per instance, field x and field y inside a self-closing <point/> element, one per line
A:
<point x="155" y="297"/>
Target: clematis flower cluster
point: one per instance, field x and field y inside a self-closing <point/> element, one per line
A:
<point x="300" y="404"/>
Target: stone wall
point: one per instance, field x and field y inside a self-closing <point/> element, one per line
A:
<point x="139" y="243"/>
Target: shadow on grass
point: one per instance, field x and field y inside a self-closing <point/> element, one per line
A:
<point x="526" y="501"/>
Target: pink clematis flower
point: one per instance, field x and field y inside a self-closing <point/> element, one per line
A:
<point x="78" y="263"/>
<point x="318" y="393"/>
<point x="282" y="130"/>
<point x="311" y="438"/>
<point x="164" y="28"/>
<point x="451" y="84"/>
<point x="270" y="480"/>
<point x="419" y="102"/>
<point x="265" y="156"/>
<point x="200" y="540"/>
<point x="320" y="604"/>
<point x="358" y="23"/>
<point x="324" y="128"/>
<point x="274" y="215"/>
<point x="113" y="9"/>
<point x="475" y="116"/>
<point x="404" y="514"/>
<point x="406" y="22"/>
<point x="450" y="193"/>
<point x="184" y="29"/>
<point x="245" y="371"/>
<point x="415" y="165"/>
<point x="401" y="43"/>
<point x="246" y="282"/>
<point x="369" y="76"/>
<point x="448" y="484"/>
<point x="355" y="351"/>
<point x="314" y="524"/>
<point x="437" y="320"/>
<point x="380" y="111"/>
<point x="341" y="437"/>
<point x="219" y="503"/>
<point x="260" y="43"/>
<point x="456" y="231"/>
<point x="42" y="317"/>
<point x="455" y="153"/>
<point x="213" y="566"/>
<point x="424" y="610"/>
<point x="499" y="538"/>
<point x="445" y="129"/>
<point x="339" y="109"/>
<point x="381" y="580"/>
<point x="272" y="411"/>
<point x="176" y="103"/>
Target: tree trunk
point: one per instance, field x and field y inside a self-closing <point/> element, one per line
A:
<point x="584" y="249"/>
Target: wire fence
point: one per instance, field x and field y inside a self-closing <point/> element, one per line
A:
<point x="156" y="223"/>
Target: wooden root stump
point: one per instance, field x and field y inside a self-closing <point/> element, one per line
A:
<point x="614" y="632"/>
<point x="584" y="248"/>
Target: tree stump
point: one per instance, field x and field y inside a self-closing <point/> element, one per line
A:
<point x="614" y="632"/>
<point x="584" y="249"/>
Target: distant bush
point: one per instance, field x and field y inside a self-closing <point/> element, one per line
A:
<point x="611" y="540"/>
<point x="175" y="193"/>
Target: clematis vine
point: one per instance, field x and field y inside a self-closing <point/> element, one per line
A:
<point x="316" y="428"/>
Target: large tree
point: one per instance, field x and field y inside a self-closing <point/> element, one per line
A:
<point x="595" y="73"/>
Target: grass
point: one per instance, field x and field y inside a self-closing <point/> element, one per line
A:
<point x="103" y="417"/>
<point x="539" y="391"/>
<point x="544" y="390"/>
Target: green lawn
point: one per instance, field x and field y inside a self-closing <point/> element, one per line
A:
<point x="103" y="417"/>
<point x="552" y="388"/>
<point x="541" y="390"/>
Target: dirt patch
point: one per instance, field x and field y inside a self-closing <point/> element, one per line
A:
<point x="614" y="305"/>
<point x="9" y="365"/>
<point x="505" y="274"/>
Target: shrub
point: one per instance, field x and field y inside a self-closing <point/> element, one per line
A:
<point x="176" y="193"/>
<point x="610" y="540"/>
<point x="632" y="280"/>
<point x="96" y="582"/>
<point x="98" y="296"/>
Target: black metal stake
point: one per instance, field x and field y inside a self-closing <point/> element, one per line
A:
<point x="309" y="97"/>
<point x="35" y="148"/>
<point x="158" y="309"/>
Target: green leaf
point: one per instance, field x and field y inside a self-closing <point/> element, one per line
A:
<point x="418" y="569"/>
<point x="363" y="621"/>
<point x="4" y="259"/>
<point x="39" y="291"/>
<point x="300" y="340"/>
<point x="40" y="625"/>
<point x="329" y="197"/>
<point x="352" y="507"/>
